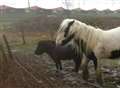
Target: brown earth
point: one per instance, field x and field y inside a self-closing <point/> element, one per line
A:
<point x="30" y="71"/>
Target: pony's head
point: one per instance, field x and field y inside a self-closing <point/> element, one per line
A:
<point x="65" y="32"/>
<point x="44" y="46"/>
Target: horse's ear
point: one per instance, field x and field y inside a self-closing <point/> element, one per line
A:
<point x="68" y="28"/>
<point x="71" y="22"/>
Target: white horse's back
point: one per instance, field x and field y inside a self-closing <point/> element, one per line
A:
<point x="112" y="38"/>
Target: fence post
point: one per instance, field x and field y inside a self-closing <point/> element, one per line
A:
<point x="8" y="47"/>
<point x="23" y="36"/>
<point x="4" y="67"/>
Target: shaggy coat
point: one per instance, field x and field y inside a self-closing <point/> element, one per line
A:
<point x="94" y="42"/>
<point x="58" y="53"/>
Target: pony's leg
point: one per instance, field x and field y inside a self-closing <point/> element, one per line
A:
<point x="60" y="65"/>
<point x="77" y="62"/>
<point x="84" y="67"/>
<point x="57" y="66"/>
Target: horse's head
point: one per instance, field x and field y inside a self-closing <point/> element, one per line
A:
<point x="44" y="46"/>
<point x="65" y="32"/>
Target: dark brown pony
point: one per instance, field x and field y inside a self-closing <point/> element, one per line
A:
<point x="58" y="53"/>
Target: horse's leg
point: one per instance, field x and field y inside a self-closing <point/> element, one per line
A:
<point x="98" y="54"/>
<point x="97" y="68"/>
<point x="99" y="73"/>
<point x="95" y="62"/>
<point x="84" y="67"/>
<point x="77" y="62"/>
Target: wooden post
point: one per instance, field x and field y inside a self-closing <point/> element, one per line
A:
<point x="23" y="36"/>
<point x="4" y="67"/>
<point x="8" y="47"/>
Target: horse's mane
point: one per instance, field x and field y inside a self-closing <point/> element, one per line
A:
<point x="87" y="33"/>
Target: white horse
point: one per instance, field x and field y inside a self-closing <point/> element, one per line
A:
<point x="93" y="42"/>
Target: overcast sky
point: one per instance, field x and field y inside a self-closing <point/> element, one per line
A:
<point x="84" y="4"/>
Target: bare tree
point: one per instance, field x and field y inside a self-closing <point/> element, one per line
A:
<point x="23" y="36"/>
<point x="21" y="27"/>
<point x="22" y="32"/>
<point x="68" y="4"/>
<point x="113" y="2"/>
<point x="28" y="9"/>
<point x="29" y="4"/>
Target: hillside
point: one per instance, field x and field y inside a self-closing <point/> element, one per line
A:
<point x="10" y="17"/>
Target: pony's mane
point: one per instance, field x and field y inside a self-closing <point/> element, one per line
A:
<point x="47" y="43"/>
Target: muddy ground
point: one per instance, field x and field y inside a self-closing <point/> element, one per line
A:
<point x="30" y="71"/>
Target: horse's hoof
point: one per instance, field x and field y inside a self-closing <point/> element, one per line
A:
<point x="57" y="71"/>
<point x="100" y="82"/>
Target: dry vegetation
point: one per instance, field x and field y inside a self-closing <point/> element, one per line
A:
<point x="45" y="23"/>
<point x="25" y="70"/>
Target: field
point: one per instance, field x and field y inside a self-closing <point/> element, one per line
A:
<point x="26" y="70"/>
